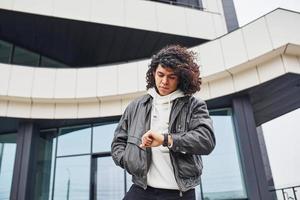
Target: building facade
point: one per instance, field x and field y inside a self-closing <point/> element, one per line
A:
<point x="68" y="69"/>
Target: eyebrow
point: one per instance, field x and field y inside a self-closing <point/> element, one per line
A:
<point x="173" y="74"/>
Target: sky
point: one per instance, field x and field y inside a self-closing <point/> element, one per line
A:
<point x="282" y="135"/>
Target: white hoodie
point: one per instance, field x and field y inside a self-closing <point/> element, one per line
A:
<point x="161" y="173"/>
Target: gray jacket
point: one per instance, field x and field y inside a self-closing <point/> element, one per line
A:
<point x="192" y="132"/>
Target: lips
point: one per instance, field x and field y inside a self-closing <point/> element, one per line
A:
<point x="164" y="88"/>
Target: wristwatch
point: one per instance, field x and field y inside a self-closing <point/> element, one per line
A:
<point x="166" y="140"/>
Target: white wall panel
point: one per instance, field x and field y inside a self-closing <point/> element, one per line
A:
<point x="212" y="5"/>
<point x="270" y="69"/>
<point x="141" y="14"/>
<point x="20" y="83"/>
<point x="291" y="63"/>
<point x="204" y="93"/>
<point x="234" y="50"/>
<point x="19" y="109"/>
<point x="257" y="38"/>
<point x="211" y="58"/>
<point x="6" y="4"/>
<point x="110" y="108"/>
<point x="171" y="19"/>
<point x="108" y="12"/>
<point x="43" y="83"/>
<point x="128" y="78"/>
<point x="221" y="87"/>
<point x="284" y="27"/>
<point x="42" y="110"/>
<point x="3" y="107"/>
<point x="88" y="109"/>
<point x="107" y="81"/>
<point x="142" y="70"/>
<point x="5" y="70"/>
<point x="125" y="102"/>
<point x="200" y="24"/>
<point x="246" y="79"/>
<point x="79" y="9"/>
<point x="65" y="83"/>
<point x="219" y="25"/>
<point x="86" y="82"/>
<point x="66" y="110"/>
<point x="44" y="7"/>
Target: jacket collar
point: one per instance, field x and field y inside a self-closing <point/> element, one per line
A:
<point x="146" y="98"/>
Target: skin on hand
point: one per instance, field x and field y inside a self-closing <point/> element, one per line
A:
<point x="154" y="139"/>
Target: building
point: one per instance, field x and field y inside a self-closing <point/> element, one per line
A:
<point x="69" y="68"/>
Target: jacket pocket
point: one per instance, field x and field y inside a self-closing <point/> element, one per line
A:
<point x="134" y="157"/>
<point x="189" y="165"/>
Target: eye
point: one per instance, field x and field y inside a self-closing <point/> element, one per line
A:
<point x="160" y="74"/>
<point x="173" y="77"/>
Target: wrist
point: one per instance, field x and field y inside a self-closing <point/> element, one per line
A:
<point x="165" y="142"/>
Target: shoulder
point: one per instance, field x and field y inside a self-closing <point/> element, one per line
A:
<point x="196" y="101"/>
<point x="138" y="101"/>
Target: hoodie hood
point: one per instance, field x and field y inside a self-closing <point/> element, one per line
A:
<point x="158" y="99"/>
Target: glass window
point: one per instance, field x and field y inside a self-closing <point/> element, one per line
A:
<point x="110" y="180"/>
<point x="5" y="51"/>
<point x="7" y="159"/>
<point x="103" y="136"/>
<point x="47" y="62"/>
<point x="72" y="178"/>
<point x="74" y="140"/>
<point x="223" y="181"/>
<point x="45" y="165"/>
<point x="24" y="57"/>
<point x="128" y="181"/>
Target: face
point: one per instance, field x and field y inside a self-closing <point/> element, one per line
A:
<point x="166" y="81"/>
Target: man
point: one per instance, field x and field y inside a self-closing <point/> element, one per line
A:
<point x="161" y="135"/>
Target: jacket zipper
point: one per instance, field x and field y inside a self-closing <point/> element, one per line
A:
<point x="172" y="162"/>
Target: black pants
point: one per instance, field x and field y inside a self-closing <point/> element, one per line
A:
<point x="138" y="193"/>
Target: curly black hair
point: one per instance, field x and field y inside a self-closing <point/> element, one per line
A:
<point x="182" y="61"/>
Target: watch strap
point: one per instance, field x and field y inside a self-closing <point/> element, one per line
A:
<point x="166" y="140"/>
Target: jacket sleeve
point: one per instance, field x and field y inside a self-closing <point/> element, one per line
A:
<point x="119" y="142"/>
<point x="199" y="137"/>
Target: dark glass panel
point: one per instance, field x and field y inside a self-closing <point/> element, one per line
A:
<point x="7" y="158"/>
<point x="72" y="178"/>
<point x="110" y="180"/>
<point x="223" y="181"/>
<point x="74" y="140"/>
<point x="47" y="62"/>
<point x="24" y="57"/>
<point x="45" y="165"/>
<point x="5" y="51"/>
<point x="103" y="136"/>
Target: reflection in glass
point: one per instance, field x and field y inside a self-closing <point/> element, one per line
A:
<point x="24" y="57"/>
<point x="74" y="140"/>
<point x="72" y="178"/>
<point x="5" y="51"/>
<point x="103" y="136"/>
<point x="7" y="158"/>
<point x="110" y="180"/>
<point x="45" y="165"/>
<point x="198" y="192"/>
<point x="223" y="181"/>
<point x="128" y="181"/>
<point x="47" y="62"/>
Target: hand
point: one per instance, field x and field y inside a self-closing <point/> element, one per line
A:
<point x="151" y="139"/>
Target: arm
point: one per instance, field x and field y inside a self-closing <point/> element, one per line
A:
<point x="119" y="142"/>
<point x="199" y="137"/>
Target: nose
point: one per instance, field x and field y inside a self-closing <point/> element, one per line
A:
<point x="164" y="80"/>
